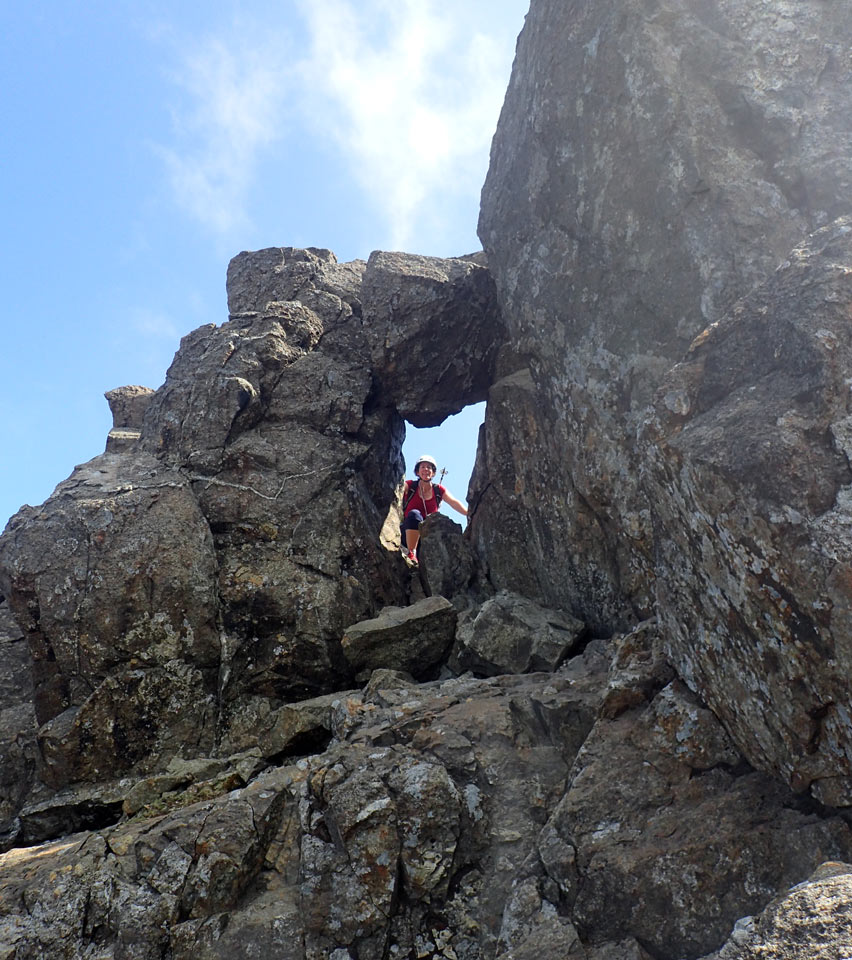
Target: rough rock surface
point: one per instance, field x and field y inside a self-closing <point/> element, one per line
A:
<point x="405" y="831"/>
<point x="217" y="563"/>
<point x="518" y="500"/>
<point x="753" y="539"/>
<point x="294" y="469"/>
<point x="434" y="331"/>
<point x="292" y="730"/>
<point x="128" y="406"/>
<point x="691" y="829"/>
<point x="113" y="583"/>
<point x="661" y="529"/>
<point x="447" y="565"/>
<point x="462" y="818"/>
<point x="17" y="725"/>
<point x="311" y="277"/>
<point x="810" y="922"/>
<point x="653" y="162"/>
<point x="663" y="832"/>
<point x="510" y="634"/>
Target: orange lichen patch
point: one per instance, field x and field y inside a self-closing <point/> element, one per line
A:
<point x="247" y="576"/>
<point x="22" y="855"/>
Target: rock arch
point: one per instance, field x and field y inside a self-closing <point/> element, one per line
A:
<point x="221" y="554"/>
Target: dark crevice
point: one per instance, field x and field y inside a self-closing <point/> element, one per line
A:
<point x="240" y="424"/>
<point x="582" y="640"/>
<point x="818" y="715"/>
<point x="303" y="745"/>
<point x="475" y="500"/>
<point x="808" y="805"/>
<point x="57" y="822"/>
<point x="393" y="909"/>
<point x="742" y="768"/>
<point x="457" y="879"/>
<point x="648" y="948"/>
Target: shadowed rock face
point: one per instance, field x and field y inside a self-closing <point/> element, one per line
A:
<point x="434" y="331"/>
<point x="112" y="582"/>
<point x="17" y="723"/>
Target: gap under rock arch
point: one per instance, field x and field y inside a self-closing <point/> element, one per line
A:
<point x="453" y="444"/>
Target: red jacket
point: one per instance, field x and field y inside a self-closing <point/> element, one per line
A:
<point x="416" y="502"/>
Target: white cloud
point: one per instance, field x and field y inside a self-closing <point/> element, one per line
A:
<point x="232" y="97"/>
<point x="407" y="91"/>
<point x="415" y="105"/>
<point x="152" y="324"/>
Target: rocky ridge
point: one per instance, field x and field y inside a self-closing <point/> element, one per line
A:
<point x="610" y="721"/>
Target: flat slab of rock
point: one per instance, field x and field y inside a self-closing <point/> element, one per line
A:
<point x="303" y="727"/>
<point x="79" y="807"/>
<point x="415" y="638"/>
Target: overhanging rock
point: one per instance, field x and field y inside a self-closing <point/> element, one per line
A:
<point x="434" y="330"/>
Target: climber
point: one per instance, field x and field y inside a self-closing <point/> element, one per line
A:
<point x="420" y="498"/>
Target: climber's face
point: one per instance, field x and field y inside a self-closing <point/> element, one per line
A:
<point x="425" y="471"/>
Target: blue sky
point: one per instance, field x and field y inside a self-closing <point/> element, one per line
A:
<point x="146" y="143"/>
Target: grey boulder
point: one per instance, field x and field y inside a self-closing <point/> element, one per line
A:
<point x="416" y="639"/>
<point x="510" y="634"/>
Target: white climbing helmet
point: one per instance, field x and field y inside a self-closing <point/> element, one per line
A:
<point x="426" y="458"/>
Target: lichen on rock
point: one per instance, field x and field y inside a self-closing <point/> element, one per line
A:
<point x="608" y="721"/>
